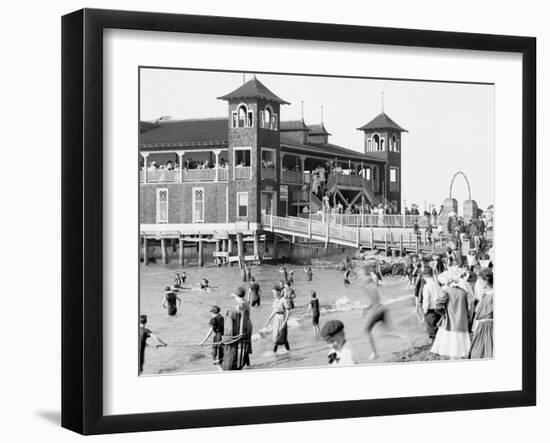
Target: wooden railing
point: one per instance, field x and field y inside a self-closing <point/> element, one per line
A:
<point x="352" y="236"/>
<point x="241" y="173"/>
<point x="375" y="220"/>
<point x="199" y="175"/>
<point x="188" y="175"/>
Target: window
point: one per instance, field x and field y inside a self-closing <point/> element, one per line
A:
<point x="268" y="120"/>
<point x="242" y="204"/>
<point x="367" y="173"/>
<point x="376" y="142"/>
<point x="234" y="123"/>
<point x="268" y="158"/>
<point x="393" y="175"/>
<point x="382" y="148"/>
<point x="198" y="205"/>
<point x="393" y="146"/>
<point x="162" y="205"/>
<point x="250" y="121"/>
<point x="266" y="117"/>
<point x="241" y="157"/>
<point x="369" y="145"/>
<point x="241" y="115"/>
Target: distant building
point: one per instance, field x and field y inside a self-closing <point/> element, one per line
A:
<point x="236" y="169"/>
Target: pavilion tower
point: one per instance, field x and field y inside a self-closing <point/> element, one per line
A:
<point x="253" y="141"/>
<point x="383" y="141"/>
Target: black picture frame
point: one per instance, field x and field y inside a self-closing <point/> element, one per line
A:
<point x="82" y="220"/>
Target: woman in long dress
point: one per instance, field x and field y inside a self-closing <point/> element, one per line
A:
<point x="238" y="333"/>
<point x="453" y="337"/>
<point x="482" y="343"/>
<point x="279" y="315"/>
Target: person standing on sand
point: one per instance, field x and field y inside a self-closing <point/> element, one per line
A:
<point x="453" y="337"/>
<point x="279" y="315"/>
<point x="374" y="311"/>
<point x="482" y="343"/>
<point x="309" y="273"/>
<point x="144" y="334"/>
<point x="315" y="311"/>
<point x="341" y="353"/>
<point x="431" y="294"/>
<point x="237" y="344"/>
<point x="170" y="301"/>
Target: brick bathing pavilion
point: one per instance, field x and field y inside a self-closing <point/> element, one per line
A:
<point x="219" y="184"/>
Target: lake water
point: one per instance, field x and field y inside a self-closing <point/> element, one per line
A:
<point x="184" y="331"/>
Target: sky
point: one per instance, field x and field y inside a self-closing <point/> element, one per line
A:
<point x="451" y="125"/>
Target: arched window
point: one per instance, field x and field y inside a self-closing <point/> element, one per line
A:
<point x="242" y="115"/>
<point x="369" y="145"/>
<point x="382" y="147"/>
<point x="394" y="143"/>
<point x="268" y="115"/>
<point x="376" y="142"/>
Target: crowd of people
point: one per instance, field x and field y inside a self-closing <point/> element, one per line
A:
<point x="186" y="164"/>
<point x="453" y="296"/>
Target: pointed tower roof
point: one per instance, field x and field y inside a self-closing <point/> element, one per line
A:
<point x="253" y="88"/>
<point x="381" y="121"/>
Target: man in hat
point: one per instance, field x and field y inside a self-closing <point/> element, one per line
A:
<point x="341" y="353"/>
<point x="144" y="334"/>
<point x="238" y="333"/>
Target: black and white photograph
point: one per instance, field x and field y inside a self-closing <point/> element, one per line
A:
<point x="302" y="221"/>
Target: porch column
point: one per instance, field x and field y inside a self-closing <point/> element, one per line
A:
<point x="145" y="165"/>
<point x="180" y="156"/>
<point x="217" y="154"/>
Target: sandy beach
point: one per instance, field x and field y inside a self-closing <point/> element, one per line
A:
<point x="184" y="331"/>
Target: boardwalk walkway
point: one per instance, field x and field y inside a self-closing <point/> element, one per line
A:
<point x="359" y="237"/>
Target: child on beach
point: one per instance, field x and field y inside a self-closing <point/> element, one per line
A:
<point x="170" y="301"/>
<point x="254" y="293"/>
<point x="309" y="273"/>
<point x="216" y="324"/>
<point x="291" y="278"/>
<point x="341" y="353"/>
<point x="204" y="285"/>
<point x="179" y="280"/>
<point x="347" y="273"/>
<point x="284" y="271"/>
<point x="289" y="295"/>
<point x="315" y="311"/>
<point x="144" y="334"/>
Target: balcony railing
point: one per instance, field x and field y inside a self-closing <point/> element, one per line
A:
<point x="199" y="175"/>
<point x="293" y="177"/>
<point x="241" y="173"/>
<point x="160" y="176"/>
<point x="187" y="175"/>
<point x="269" y="173"/>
